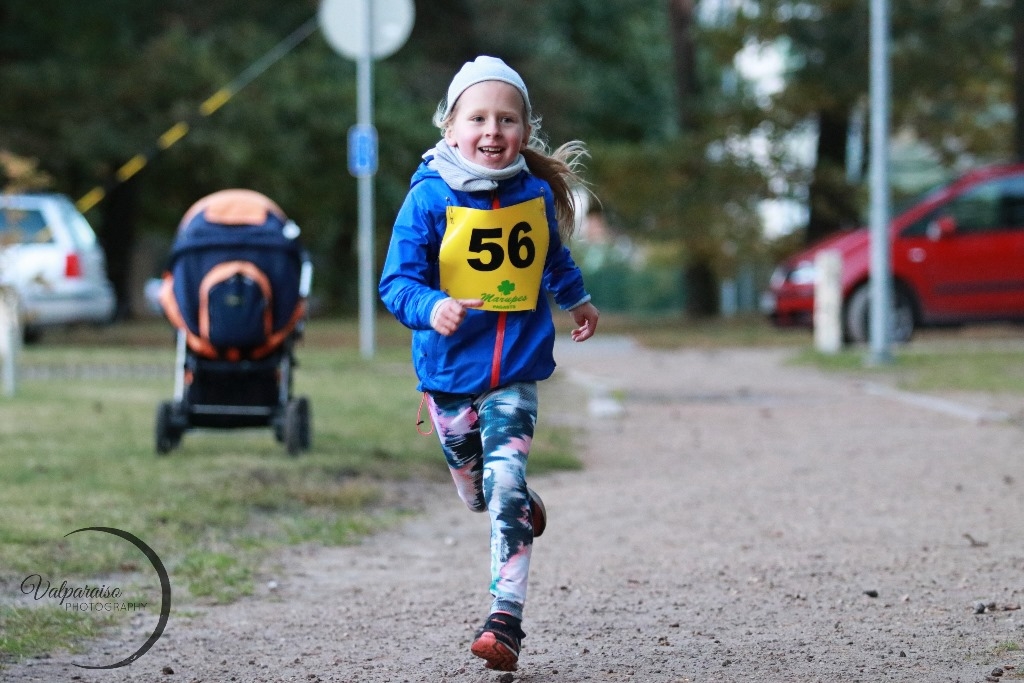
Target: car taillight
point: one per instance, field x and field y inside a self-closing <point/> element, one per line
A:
<point x="72" y="265"/>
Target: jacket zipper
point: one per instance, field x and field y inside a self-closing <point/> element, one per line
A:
<point x="499" y="339"/>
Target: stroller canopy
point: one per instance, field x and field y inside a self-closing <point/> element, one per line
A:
<point x="232" y="207"/>
<point x="237" y="276"/>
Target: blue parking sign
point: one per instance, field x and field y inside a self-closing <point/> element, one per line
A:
<point x="362" y="150"/>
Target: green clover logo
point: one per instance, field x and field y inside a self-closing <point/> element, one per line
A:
<point x="507" y="287"/>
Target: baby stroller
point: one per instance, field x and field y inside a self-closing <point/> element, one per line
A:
<point x="235" y="289"/>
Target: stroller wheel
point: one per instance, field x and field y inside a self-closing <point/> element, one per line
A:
<point x="168" y="436"/>
<point x="297" y="435"/>
<point x="306" y="431"/>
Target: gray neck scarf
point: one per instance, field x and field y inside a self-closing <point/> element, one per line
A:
<point x="464" y="175"/>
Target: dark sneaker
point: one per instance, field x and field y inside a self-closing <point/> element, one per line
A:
<point x="498" y="642"/>
<point x="538" y="513"/>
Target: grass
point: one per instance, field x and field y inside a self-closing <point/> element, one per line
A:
<point x="25" y="632"/>
<point x="987" y="360"/>
<point x="981" y="358"/>
<point x="218" y="575"/>
<point x="78" y="451"/>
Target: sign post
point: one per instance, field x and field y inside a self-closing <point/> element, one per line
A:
<point x="881" y="267"/>
<point x="365" y="30"/>
<point x="362" y="150"/>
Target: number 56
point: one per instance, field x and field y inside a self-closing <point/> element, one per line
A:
<point x="520" y="249"/>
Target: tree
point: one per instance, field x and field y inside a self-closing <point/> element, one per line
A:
<point x="951" y="78"/>
<point x="18" y="174"/>
<point x="682" y="25"/>
<point x="1018" y="79"/>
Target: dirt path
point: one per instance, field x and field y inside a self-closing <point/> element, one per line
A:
<point x="738" y="520"/>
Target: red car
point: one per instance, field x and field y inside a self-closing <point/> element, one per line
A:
<point x="957" y="257"/>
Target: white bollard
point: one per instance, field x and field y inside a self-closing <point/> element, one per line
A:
<point x="828" y="301"/>
<point x="10" y="339"/>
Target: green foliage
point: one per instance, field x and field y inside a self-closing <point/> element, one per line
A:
<point x="623" y="287"/>
<point x="614" y="58"/>
<point x="673" y="197"/>
<point x="952" y="71"/>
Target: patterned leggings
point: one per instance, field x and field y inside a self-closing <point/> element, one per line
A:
<point x="486" y="440"/>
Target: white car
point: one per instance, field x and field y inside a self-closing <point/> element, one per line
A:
<point x="50" y="257"/>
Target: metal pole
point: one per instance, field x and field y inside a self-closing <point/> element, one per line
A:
<point x="364" y="116"/>
<point x="881" y="270"/>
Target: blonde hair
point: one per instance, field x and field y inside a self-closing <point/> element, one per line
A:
<point x="561" y="168"/>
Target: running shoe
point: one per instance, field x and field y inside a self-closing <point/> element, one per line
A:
<point x="498" y="642"/>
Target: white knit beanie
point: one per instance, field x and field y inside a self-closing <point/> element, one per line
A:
<point x="484" y="68"/>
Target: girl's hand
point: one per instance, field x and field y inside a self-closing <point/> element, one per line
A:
<point x="450" y="313"/>
<point x="586" y="317"/>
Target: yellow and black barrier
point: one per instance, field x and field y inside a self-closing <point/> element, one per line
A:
<point x="211" y="104"/>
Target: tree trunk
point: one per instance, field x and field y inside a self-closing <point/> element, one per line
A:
<point x="701" y="288"/>
<point x="833" y="203"/>
<point x="699" y="275"/>
<point x="117" y="237"/>
<point x="1018" y="79"/>
<point x="684" y="60"/>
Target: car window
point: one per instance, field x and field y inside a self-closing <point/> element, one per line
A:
<point x="81" y="232"/>
<point x="23" y="226"/>
<point x="995" y="205"/>
<point x="976" y="210"/>
<point x="1011" y="203"/>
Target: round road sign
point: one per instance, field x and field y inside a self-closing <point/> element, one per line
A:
<point x="343" y="23"/>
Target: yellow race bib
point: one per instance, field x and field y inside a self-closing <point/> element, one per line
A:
<point x="496" y="255"/>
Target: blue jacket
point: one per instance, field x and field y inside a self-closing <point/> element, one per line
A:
<point x="490" y="349"/>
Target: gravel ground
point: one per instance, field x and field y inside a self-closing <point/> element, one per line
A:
<point x="738" y="519"/>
